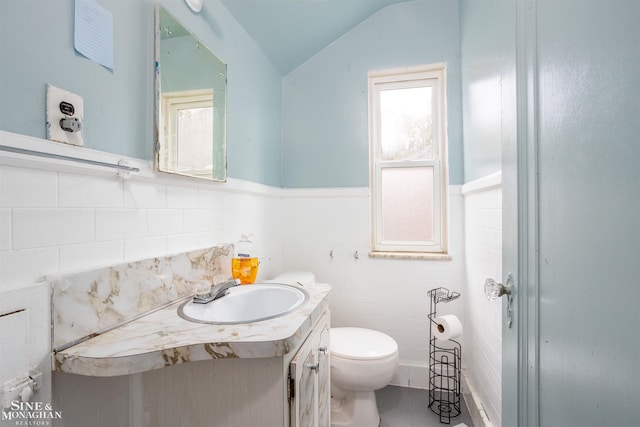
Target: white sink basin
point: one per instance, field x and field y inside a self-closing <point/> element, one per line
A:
<point x="245" y="304"/>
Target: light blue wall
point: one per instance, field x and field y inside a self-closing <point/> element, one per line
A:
<point x="325" y="131"/>
<point x="488" y="83"/>
<point x="184" y="66"/>
<point x="36" y="43"/>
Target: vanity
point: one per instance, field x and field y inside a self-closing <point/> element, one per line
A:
<point x="123" y="321"/>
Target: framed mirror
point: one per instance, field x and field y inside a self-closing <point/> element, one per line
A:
<point x="191" y="99"/>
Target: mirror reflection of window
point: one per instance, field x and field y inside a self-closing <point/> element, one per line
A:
<point x="187" y="121"/>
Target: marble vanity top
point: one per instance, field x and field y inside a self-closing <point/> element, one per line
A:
<point x="162" y="338"/>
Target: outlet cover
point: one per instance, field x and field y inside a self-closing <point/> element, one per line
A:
<point x="62" y="104"/>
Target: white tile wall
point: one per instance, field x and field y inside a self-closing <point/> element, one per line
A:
<point x="164" y="222"/>
<point x="120" y="224"/>
<point x="19" y="267"/>
<point x="182" y="197"/>
<point x="5" y="229"/>
<point x="56" y="221"/>
<point x="28" y="188"/>
<point x="42" y="227"/>
<point x="77" y="257"/>
<point x="483" y="319"/>
<point x="143" y="195"/>
<point x="145" y="247"/>
<point x="384" y="294"/>
<point x="78" y="191"/>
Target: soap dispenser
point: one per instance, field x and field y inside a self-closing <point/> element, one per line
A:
<point x="244" y="264"/>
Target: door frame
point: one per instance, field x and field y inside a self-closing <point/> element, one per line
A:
<point x="520" y="348"/>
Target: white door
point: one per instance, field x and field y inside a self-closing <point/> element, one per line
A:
<point x="572" y="218"/>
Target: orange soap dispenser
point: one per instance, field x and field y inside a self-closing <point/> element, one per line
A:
<point x="244" y="264"/>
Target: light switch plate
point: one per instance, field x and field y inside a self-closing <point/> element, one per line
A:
<point x="55" y="113"/>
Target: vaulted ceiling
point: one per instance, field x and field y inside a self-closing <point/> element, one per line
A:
<point x="292" y="31"/>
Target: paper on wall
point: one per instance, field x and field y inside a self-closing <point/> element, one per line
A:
<point x="93" y="32"/>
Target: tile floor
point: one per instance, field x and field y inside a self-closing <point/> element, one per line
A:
<point x="407" y="407"/>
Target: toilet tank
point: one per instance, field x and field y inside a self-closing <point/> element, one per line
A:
<point x="295" y="277"/>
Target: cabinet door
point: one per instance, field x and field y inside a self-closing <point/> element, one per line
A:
<point x="311" y="391"/>
<point x="324" y="385"/>
<point x="304" y="402"/>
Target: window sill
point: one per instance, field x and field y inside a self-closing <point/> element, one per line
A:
<point x="411" y="255"/>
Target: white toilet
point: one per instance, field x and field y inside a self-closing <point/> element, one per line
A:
<point x="362" y="361"/>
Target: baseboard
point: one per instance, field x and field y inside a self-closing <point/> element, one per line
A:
<point x="412" y="376"/>
<point x="474" y="405"/>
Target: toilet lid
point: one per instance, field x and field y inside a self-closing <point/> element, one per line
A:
<point x="360" y="343"/>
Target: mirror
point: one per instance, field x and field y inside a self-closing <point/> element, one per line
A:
<point x="191" y="98"/>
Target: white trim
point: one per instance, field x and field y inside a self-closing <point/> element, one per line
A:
<point x="474" y="405"/>
<point x="234" y="185"/>
<point x="433" y="75"/>
<point x="146" y="173"/>
<point x="428" y="256"/>
<point x="521" y="342"/>
<point x="410" y="72"/>
<point x="15" y="140"/>
<point x="487" y="183"/>
<point x="326" y="193"/>
<point x="527" y="181"/>
<point x="341" y="192"/>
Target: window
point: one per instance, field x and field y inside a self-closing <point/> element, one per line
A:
<point x="407" y="119"/>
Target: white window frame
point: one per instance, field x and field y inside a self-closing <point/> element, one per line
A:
<point x="433" y="75"/>
<point x="172" y="103"/>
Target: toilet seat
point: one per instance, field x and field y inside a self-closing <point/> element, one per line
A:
<point x="361" y="344"/>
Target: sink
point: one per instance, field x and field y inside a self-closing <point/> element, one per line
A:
<point x="245" y="304"/>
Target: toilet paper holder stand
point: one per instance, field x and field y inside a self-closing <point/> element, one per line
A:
<point x="445" y="361"/>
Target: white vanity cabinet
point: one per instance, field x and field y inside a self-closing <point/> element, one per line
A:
<point x="309" y="390"/>
<point x="136" y="362"/>
<point x="288" y="391"/>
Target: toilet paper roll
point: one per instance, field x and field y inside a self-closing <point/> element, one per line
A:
<point x="448" y="327"/>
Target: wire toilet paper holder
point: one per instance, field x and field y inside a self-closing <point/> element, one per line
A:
<point x="445" y="359"/>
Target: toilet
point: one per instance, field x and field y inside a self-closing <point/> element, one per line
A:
<point x="362" y="361"/>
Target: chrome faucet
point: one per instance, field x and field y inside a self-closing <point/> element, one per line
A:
<point x="216" y="291"/>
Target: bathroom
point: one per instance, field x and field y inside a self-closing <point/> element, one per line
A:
<point x="297" y="155"/>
